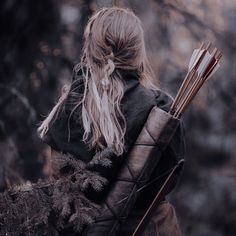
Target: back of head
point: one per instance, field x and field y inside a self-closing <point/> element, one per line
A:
<point x="116" y="34"/>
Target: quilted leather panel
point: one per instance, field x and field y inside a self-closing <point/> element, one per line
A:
<point x="135" y="173"/>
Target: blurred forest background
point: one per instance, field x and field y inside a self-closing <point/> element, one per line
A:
<point x="42" y="40"/>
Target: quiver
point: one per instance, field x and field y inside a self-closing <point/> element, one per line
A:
<point x="155" y="136"/>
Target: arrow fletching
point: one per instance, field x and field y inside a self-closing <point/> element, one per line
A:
<point x="201" y="67"/>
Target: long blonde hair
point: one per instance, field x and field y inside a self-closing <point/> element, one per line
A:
<point x="113" y="41"/>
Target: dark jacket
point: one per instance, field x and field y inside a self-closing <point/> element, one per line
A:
<point x="69" y="203"/>
<point x="136" y="105"/>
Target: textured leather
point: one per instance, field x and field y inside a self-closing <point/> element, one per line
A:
<point x="135" y="172"/>
<point x="162" y="223"/>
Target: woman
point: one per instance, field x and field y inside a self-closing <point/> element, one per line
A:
<point x="105" y="108"/>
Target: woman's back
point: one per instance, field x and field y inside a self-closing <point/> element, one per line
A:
<point x="66" y="131"/>
<point x="136" y="104"/>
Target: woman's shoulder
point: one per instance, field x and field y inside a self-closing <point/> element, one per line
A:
<point x="163" y="100"/>
<point x="138" y="93"/>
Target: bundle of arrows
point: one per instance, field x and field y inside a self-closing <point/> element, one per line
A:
<point x="202" y="66"/>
